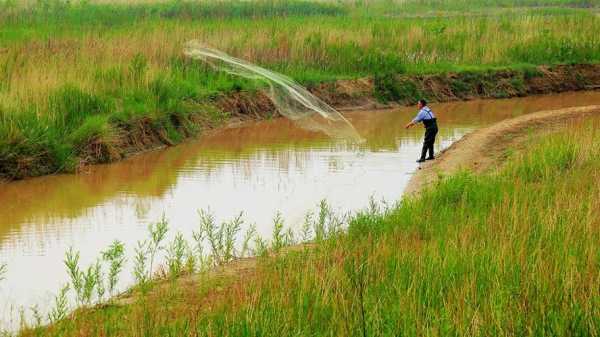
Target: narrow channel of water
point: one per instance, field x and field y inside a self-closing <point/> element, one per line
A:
<point x="260" y="168"/>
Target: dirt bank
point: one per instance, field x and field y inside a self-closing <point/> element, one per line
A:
<point x="486" y="147"/>
<point x="382" y="91"/>
<point x="385" y="91"/>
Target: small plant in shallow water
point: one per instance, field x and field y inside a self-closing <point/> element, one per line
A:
<point x="91" y="278"/>
<point x="281" y="237"/>
<point x="158" y="232"/>
<point x="191" y="261"/>
<point x="140" y="262"/>
<point x="176" y="253"/>
<point x="84" y="282"/>
<point x="115" y="256"/>
<point x="3" y="270"/>
<point x="200" y="260"/>
<point x="99" y="274"/>
<point x="326" y="225"/>
<point x="61" y="305"/>
<point x="145" y="252"/>
<point x="36" y="314"/>
<point x="220" y="238"/>
<point x="75" y="274"/>
<point x="306" y="230"/>
<point x="261" y="246"/>
<point x="289" y="238"/>
<point x="278" y="239"/>
<point x="248" y="236"/>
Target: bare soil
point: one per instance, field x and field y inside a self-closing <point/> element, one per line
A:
<point x="373" y="93"/>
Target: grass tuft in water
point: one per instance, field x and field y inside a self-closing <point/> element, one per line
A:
<point x="3" y="271"/>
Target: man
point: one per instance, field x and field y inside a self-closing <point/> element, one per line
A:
<point x="426" y="116"/>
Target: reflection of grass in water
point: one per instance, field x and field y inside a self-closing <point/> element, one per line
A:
<point x="472" y="254"/>
<point x="152" y="174"/>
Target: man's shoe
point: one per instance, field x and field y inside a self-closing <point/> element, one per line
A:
<point x="421" y="160"/>
<point x="430" y="158"/>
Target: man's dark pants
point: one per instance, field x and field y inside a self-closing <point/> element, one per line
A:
<point x="431" y="131"/>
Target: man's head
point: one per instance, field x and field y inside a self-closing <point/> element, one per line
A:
<point x="421" y="103"/>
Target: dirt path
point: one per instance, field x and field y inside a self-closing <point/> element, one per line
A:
<point x="486" y="147"/>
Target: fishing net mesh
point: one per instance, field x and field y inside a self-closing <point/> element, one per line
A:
<point x="291" y="99"/>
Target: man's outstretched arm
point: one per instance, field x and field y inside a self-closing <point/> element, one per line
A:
<point x="418" y="118"/>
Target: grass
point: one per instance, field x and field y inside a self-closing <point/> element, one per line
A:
<point x="510" y="252"/>
<point x="2" y="271"/>
<point x="77" y="77"/>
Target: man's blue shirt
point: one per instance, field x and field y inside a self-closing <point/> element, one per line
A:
<point x="424" y="113"/>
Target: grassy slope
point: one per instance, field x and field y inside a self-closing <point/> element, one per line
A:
<point x="508" y="253"/>
<point x="75" y="78"/>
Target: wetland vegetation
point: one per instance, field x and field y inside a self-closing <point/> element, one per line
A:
<point x="510" y="252"/>
<point x="86" y="82"/>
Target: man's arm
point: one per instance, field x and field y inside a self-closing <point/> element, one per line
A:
<point x="416" y="120"/>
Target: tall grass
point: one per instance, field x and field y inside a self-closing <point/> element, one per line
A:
<point x="511" y="252"/>
<point x="469" y="5"/>
<point x="85" y="13"/>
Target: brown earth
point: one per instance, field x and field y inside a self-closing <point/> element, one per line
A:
<point x="486" y="148"/>
<point x="370" y="93"/>
<point x="459" y="86"/>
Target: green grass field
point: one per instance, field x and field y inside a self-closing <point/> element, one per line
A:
<point x="512" y="252"/>
<point x="75" y="76"/>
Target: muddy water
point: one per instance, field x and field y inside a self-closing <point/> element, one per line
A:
<point x="260" y="168"/>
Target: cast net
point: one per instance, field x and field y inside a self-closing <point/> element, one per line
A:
<point x="291" y="99"/>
